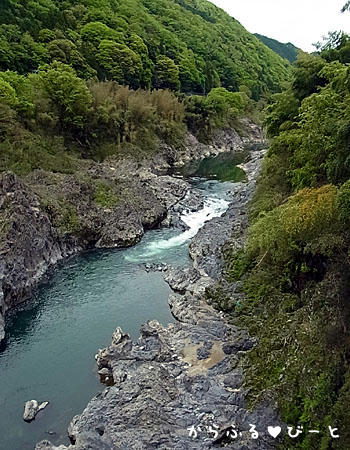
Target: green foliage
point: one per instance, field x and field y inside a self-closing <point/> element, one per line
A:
<point x="7" y="94"/>
<point x="66" y="220"/>
<point x="314" y="135"/>
<point x="343" y="202"/>
<point x="92" y="120"/>
<point x="166" y="74"/>
<point x="70" y="222"/>
<point x="23" y="92"/>
<point x="236" y="264"/>
<point x="225" y="103"/>
<point x="68" y="93"/>
<point x="204" y="46"/>
<point x="307" y="77"/>
<point x="288" y="51"/>
<point x="104" y="196"/>
<point x="217" y="297"/>
<point x="219" y="109"/>
<point x="29" y="152"/>
<point x="118" y="62"/>
<point x="283" y="109"/>
<point x="287" y="229"/>
<point x="96" y="32"/>
<point x="295" y="268"/>
<point x="122" y="116"/>
<point x="62" y="64"/>
<point x="190" y="77"/>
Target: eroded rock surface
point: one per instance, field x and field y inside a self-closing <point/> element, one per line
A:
<point x="28" y="243"/>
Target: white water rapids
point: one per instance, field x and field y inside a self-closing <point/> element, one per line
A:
<point x="214" y="206"/>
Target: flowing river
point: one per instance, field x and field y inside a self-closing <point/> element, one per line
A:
<point x="49" y="354"/>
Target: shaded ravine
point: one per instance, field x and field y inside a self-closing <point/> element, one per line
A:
<point x="50" y="348"/>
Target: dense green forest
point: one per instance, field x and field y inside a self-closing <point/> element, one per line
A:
<point x="288" y="51"/>
<point x="295" y="268"/>
<point x="89" y="78"/>
<point x="187" y="44"/>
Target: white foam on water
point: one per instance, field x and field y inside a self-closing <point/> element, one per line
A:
<point x="213" y="207"/>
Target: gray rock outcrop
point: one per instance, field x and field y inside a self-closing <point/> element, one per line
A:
<point x="40" y="226"/>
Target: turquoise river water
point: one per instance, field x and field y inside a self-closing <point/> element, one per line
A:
<point x="49" y="353"/>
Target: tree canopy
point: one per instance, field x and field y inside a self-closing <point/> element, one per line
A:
<point x="180" y="44"/>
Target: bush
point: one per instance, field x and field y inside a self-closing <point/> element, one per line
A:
<point x="124" y="116"/>
<point x="286" y="229"/>
<point x="224" y="104"/>
<point x="7" y="94"/>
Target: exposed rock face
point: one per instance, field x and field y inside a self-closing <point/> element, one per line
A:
<point x="46" y="445"/>
<point x="222" y="141"/>
<point x="180" y="279"/>
<point x="30" y="410"/>
<point x="51" y="216"/>
<point x="180" y="376"/>
<point x="28" y="243"/>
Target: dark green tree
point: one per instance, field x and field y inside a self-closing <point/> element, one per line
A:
<point x="120" y="63"/>
<point x="68" y="93"/>
<point x="166" y="74"/>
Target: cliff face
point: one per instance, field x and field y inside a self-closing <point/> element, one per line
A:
<point x="28" y="244"/>
<point x="46" y="217"/>
<point x="46" y="220"/>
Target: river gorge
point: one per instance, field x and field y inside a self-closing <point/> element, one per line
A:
<point x="50" y="345"/>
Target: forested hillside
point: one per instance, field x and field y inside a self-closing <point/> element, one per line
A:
<point x="288" y="51"/>
<point x="187" y="44"/>
<point x="295" y="268"/>
<point x="75" y="77"/>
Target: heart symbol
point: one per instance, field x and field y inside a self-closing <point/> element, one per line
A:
<point x="274" y="431"/>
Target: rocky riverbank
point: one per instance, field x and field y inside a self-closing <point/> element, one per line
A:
<point x="185" y="375"/>
<point x="46" y="216"/>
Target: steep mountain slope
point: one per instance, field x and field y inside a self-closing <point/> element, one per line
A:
<point x="187" y="44"/>
<point x="288" y="50"/>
